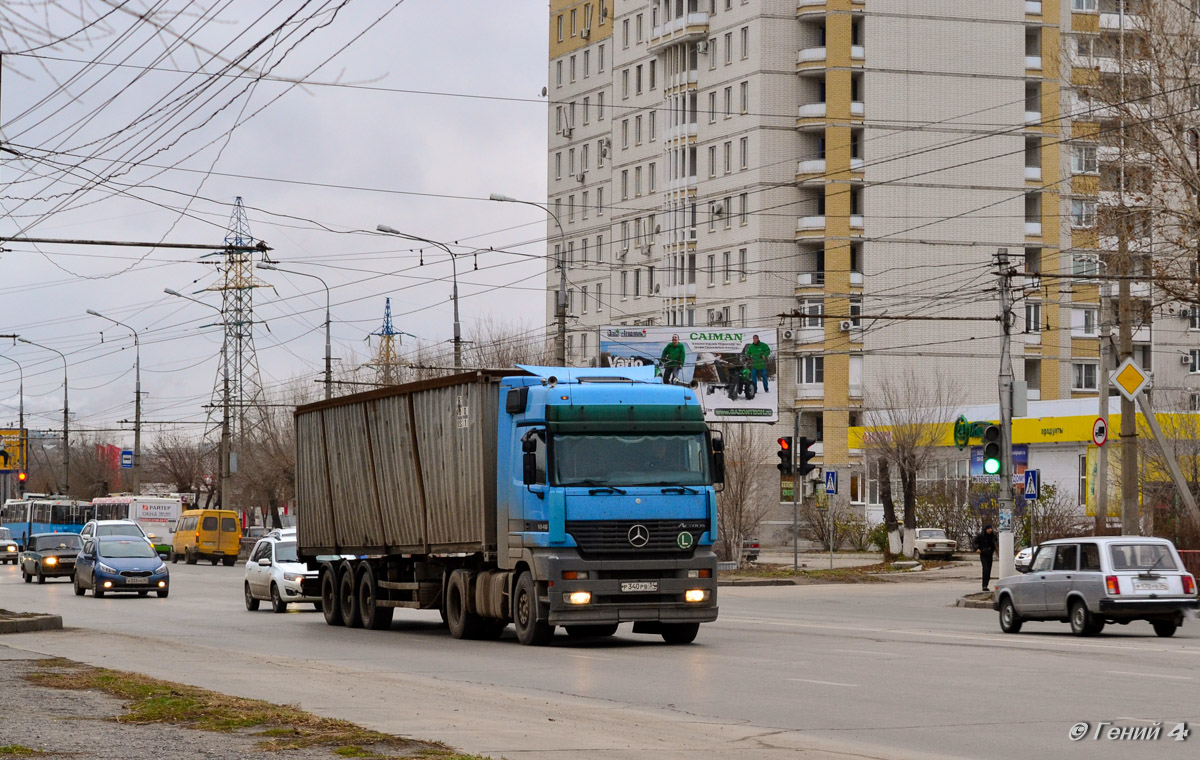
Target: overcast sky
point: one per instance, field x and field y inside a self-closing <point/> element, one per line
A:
<point x="313" y="164"/>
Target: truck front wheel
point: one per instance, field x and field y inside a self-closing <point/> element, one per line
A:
<point x="330" y="604"/>
<point x="680" y="633"/>
<point x="530" y="630"/>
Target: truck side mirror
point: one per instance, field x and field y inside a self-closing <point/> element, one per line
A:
<point x="718" y="467"/>
<point x="529" y="468"/>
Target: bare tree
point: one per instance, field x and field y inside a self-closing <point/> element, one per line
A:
<point x="743" y="504"/>
<point x="906" y="425"/>
<point x="182" y="462"/>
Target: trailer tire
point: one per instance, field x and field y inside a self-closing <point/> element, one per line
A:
<point x="531" y="631"/>
<point x="463" y="623"/>
<point x="347" y="597"/>
<point x="330" y="606"/>
<point x="373" y="616"/>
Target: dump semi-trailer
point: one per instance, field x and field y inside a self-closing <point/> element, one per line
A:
<point x="544" y="497"/>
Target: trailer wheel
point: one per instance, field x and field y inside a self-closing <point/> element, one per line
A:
<point x="530" y="630"/>
<point x="347" y="597"/>
<point x="373" y="616"/>
<point x="463" y="624"/>
<point x="330" y="605"/>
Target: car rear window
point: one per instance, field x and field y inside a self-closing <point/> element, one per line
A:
<point x="122" y="549"/>
<point x="50" y="543"/>
<point x="1142" y="557"/>
<point x="228" y="525"/>
<point x="118" y="530"/>
<point x="210" y="523"/>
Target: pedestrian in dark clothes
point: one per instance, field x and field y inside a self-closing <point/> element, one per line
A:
<point x="985" y="545"/>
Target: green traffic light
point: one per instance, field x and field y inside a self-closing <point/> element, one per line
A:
<point x="991" y="466"/>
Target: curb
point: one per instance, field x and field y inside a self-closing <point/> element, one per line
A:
<point x="756" y="582"/>
<point x="29" y="623"/>
<point x="974" y="601"/>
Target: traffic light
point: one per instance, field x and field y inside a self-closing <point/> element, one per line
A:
<point x="804" y="454"/>
<point x="785" y="456"/>
<point x="991" y="449"/>
<point x="21" y="476"/>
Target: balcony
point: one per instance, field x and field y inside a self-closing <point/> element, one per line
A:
<point x="1033" y="7"/>
<point x="1033" y="173"/>
<point x="1033" y="339"/>
<point x="681" y="131"/>
<point x="807" y="6"/>
<point x="858" y="53"/>
<point x="1113" y="21"/>
<point x="816" y="166"/>
<point x="811" y="111"/>
<point x="690" y="28"/>
<point x="810" y="56"/>
<point x="856" y="390"/>
<point x="1033" y="229"/>
<point x="810" y="280"/>
<point x="857" y="221"/>
<point x="856" y="108"/>
<point x="857" y="164"/>
<point x="1033" y="62"/>
<point x="810" y="390"/>
<point x="810" y="224"/>
<point x="856" y="278"/>
<point x="1033" y="117"/>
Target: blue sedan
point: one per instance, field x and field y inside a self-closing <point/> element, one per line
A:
<point x="120" y="563"/>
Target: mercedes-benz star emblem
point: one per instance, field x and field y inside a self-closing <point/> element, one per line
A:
<point x="639" y="535"/>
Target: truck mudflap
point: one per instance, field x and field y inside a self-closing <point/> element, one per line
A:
<point x="630" y="590"/>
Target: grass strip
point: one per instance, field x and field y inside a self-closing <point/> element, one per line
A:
<point x="279" y="727"/>
<point x="18" y="750"/>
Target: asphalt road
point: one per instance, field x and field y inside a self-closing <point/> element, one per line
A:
<point x="879" y="671"/>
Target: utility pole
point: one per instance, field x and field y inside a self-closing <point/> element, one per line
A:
<point x="22" y="436"/>
<point x="1005" y="497"/>
<point x="454" y="293"/>
<point x="328" y="355"/>
<point x="796" y="479"/>
<point x="66" y="438"/>
<point x="1101" y="518"/>
<point x="1130" y="522"/>
<point x="137" y="402"/>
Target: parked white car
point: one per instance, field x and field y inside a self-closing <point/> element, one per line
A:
<point x="1024" y="558"/>
<point x="274" y="573"/>
<point x="933" y="542"/>
<point x="8" y="548"/>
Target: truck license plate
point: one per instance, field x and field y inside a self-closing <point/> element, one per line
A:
<point x="639" y="586"/>
<point x="136" y="581"/>
<point x="1149" y="586"/>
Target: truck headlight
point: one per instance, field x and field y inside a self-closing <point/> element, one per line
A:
<point x="50" y="560"/>
<point x="579" y="597"/>
<point x="695" y="595"/>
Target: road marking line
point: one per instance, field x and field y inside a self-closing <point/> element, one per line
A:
<point x="589" y="657"/>
<point x="1147" y="675"/>
<point x="865" y="651"/>
<point x="823" y="683"/>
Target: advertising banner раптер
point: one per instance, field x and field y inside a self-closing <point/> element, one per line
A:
<point x="735" y="368"/>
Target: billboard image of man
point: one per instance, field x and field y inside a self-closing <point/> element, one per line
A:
<point x="673" y="355"/>
<point x="757" y="354"/>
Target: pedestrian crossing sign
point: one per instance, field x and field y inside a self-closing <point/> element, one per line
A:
<point x="1033" y="484"/>
<point x="831" y="482"/>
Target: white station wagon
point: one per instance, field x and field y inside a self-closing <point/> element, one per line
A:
<point x="1089" y="582"/>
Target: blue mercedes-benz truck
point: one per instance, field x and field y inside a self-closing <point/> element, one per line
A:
<point x="540" y="496"/>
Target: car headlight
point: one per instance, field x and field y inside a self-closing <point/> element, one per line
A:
<point x="105" y="568"/>
<point x="49" y="560"/>
<point x="293" y="577"/>
<point x="10" y="548"/>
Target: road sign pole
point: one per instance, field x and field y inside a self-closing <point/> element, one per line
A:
<point x="796" y="480"/>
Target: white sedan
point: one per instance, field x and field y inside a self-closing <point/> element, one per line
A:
<point x="274" y="573"/>
<point x="1024" y="557"/>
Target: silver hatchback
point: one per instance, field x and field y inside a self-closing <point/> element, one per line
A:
<point x="1089" y="582"/>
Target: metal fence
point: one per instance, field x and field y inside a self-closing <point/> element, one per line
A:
<point x="1191" y="560"/>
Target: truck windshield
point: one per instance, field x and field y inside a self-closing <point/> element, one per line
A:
<point x="630" y="460"/>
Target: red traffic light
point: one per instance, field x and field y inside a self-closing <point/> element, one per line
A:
<point x="785" y="443"/>
<point x="21" y="476"/>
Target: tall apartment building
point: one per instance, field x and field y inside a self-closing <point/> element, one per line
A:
<point x="853" y="163"/>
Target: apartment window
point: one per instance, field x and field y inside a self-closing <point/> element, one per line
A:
<point x="744" y="152"/>
<point x="637" y="79"/>
<point x="600" y="105"/>
<point x="691" y="272"/>
<point x="649" y="279"/>
<point x="728" y="101"/>
<point x="558" y="165"/>
<point x="638" y="26"/>
<point x="742" y="315"/>
<point x="856" y="313"/>
<point x="712" y="269"/>
<point x="1194" y="368"/>
<point x="625" y="83"/>
<point x="624" y="285"/>
<point x="652" y="72"/>
<point x="571" y="161"/>
<point x="712" y="53"/>
<point x="599" y="204"/>
<point x="1088" y="318"/>
<point x="653" y="128"/>
<point x="1083" y="159"/>
<point x="810" y="370"/>
<point x="637" y="283"/>
<point x="560" y="27"/>
<point x="1083" y="213"/>
<point x="583" y="208"/>
<point x="624" y="186"/>
<point x="650" y="172"/>
<point x="745" y="42"/>
<point x="600" y="58"/>
<point x="743" y="208"/>
<point x="583" y="158"/>
<point x="587" y="64"/>
<point x="812" y="310"/>
<point x="712" y="107"/>
<point x="1083" y="473"/>
<point x="583" y="243"/>
<point x="1194" y="318"/>
<point x="1083" y="5"/>
<point x="637" y="130"/>
<point x="625" y="33"/>
<point x="728" y="47"/>
<point x="572" y="67"/>
<point x="728" y="207"/>
<point x="1033" y="316"/>
<point x="558" y="73"/>
<point x="570" y="253"/>
<point x="742" y="264"/>
<point x="599" y="297"/>
<point x="624" y="133"/>
<point x="728" y="157"/>
<point x="1083" y="376"/>
<point x="744" y="89"/>
<point x="599" y="256"/>
<point x="712" y="160"/>
<point x="1085" y="265"/>
<point x="725" y="267"/>
<point x="637" y="180"/>
<point x="583" y="297"/>
<point x="573" y="26"/>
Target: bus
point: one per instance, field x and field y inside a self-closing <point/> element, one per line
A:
<point x="42" y="514"/>
<point x="156" y="515"/>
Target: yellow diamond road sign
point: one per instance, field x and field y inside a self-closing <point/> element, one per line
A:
<point x="1130" y="379"/>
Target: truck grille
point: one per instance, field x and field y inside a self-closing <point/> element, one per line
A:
<point x="613" y="536"/>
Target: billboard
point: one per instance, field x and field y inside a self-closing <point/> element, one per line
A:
<point x="736" y="374"/>
<point x="12" y="453"/>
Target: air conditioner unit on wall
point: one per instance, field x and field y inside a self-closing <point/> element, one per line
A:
<point x="586" y="33"/>
<point x="845" y="325"/>
<point x="789" y="334"/>
<point x="702" y="46"/>
<point x="1185" y="359"/>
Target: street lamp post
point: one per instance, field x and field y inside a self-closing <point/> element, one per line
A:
<point x="22" y="438"/>
<point x="137" y="402"/>
<point x="223" y="481"/>
<point x="328" y="356"/>
<point x="560" y="307"/>
<point x="454" y="271"/>
<point x="66" y="418"/>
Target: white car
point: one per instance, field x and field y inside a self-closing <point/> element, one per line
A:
<point x="1024" y="557"/>
<point x="97" y="528"/>
<point x="933" y="542"/>
<point x="274" y="573"/>
<point x="8" y="548"/>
